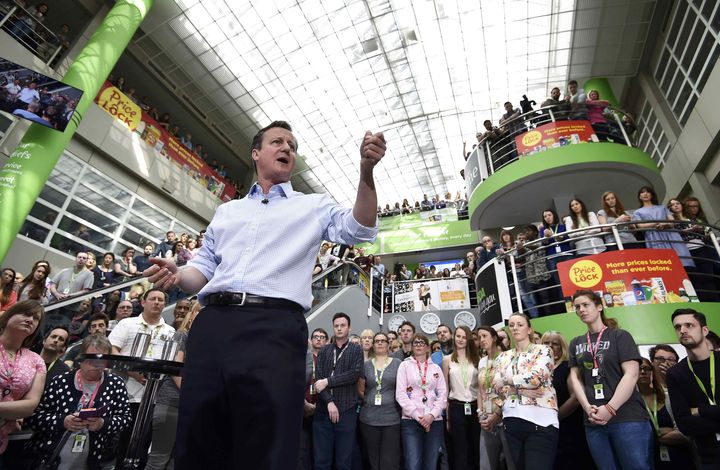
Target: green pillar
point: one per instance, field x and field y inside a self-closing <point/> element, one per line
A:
<point x="29" y="166"/>
<point x="603" y="87"/>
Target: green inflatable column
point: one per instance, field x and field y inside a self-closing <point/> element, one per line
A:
<point x="29" y="166"/>
<point x="603" y="87"/>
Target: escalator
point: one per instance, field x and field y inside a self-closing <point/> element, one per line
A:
<point x="345" y="287"/>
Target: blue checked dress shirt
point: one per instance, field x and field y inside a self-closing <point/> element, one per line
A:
<point x="270" y="249"/>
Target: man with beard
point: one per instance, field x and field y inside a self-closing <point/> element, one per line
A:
<point x="692" y="385"/>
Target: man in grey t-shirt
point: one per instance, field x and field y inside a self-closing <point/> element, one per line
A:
<point x="69" y="282"/>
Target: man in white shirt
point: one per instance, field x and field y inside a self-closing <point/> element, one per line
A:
<point x="29" y="94"/>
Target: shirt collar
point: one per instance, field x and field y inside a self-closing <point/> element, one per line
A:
<point x="156" y="325"/>
<point x="278" y="190"/>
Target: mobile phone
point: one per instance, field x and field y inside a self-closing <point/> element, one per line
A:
<point x="86" y="413"/>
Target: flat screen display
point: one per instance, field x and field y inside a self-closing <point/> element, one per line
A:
<point x="38" y="98"/>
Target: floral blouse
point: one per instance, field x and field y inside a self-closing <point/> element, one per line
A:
<point x="530" y="369"/>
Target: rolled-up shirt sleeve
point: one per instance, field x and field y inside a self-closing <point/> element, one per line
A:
<point x="205" y="260"/>
<point x="341" y="226"/>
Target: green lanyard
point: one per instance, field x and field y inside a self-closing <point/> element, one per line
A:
<point x="378" y="377"/>
<point x="653" y="413"/>
<point x="711" y="398"/>
<point x="464" y="374"/>
<point x="489" y="370"/>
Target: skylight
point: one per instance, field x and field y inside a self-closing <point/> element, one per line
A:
<point x="426" y="73"/>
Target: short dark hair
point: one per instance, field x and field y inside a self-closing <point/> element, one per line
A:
<point x="407" y="323"/>
<point x="572" y="82"/>
<point x="487" y="120"/>
<point x="99" y="316"/>
<point x="700" y="317"/>
<point x="506" y="103"/>
<point x="257" y="140"/>
<point x="154" y="289"/>
<point x="58" y="327"/>
<point x="80" y="251"/>
<point x="662" y="347"/>
<point x="320" y="330"/>
<point x="341" y="315"/>
<point x="443" y="324"/>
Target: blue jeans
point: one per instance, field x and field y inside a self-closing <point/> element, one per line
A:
<point x="528" y="300"/>
<point x="421" y="448"/>
<point x="622" y="446"/>
<point x="338" y="439"/>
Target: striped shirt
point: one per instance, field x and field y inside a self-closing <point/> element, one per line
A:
<point x="269" y="249"/>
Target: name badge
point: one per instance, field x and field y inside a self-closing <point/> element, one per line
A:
<point x="513" y="401"/>
<point x="599" y="393"/>
<point x="66" y="291"/>
<point x="312" y="389"/>
<point x="488" y="406"/>
<point x="664" y="454"/>
<point x="595" y="372"/>
<point x="378" y="399"/>
<point x="557" y="249"/>
<point x="468" y="410"/>
<point x="79" y="443"/>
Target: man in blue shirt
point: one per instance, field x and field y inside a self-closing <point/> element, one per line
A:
<point x="242" y="393"/>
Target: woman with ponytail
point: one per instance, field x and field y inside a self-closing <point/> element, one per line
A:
<point x="604" y="368"/>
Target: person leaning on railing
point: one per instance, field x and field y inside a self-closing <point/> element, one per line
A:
<point x="580" y="218"/>
<point x="613" y="212"/>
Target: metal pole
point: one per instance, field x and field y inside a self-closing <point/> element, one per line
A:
<point x="371" y="292"/>
<point x="489" y="158"/>
<point x="517" y="284"/>
<point x="622" y="129"/>
<point x="552" y="115"/>
<point x="715" y="242"/>
<point x="55" y="54"/>
<point x="7" y="17"/>
<point x="382" y="294"/>
<point x="616" y="234"/>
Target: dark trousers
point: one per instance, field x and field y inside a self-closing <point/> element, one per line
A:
<point x="530" y="446"/>
<point x="334" y="440"/>
<point x="241" y="401"/>
<point x="382" y="446"/>
<point x="465" y="436"/>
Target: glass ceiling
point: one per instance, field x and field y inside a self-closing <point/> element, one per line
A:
<point x="426" y="73"/>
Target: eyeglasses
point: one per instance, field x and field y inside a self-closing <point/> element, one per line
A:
<point x="645" y="369"/>
<point x="419" y="343"/>
<point x="662" y="360"/>
<point x="319" y="337"/>
<point x="380" y="341"/>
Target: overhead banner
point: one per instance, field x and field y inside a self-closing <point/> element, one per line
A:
<point x="493" y="293"/>
<point x="429" y="295"/>
<point x="426" y="237"/>
<point x="118" y="105"/>
<point x="553" y="135"/>
<point x="629" y="277"/>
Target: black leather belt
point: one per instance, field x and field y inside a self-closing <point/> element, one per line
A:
<point x="243" y="299"/>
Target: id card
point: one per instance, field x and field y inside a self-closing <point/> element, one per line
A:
<point x="664" y="454"/>
<point x="513" y="401"/>
<point x="79" y="443"/>
<point x="599" y="393"/>
<point x="312" y="389"/>
<point x="378" y="399"/>
<point x="66" y="291"/>
<point x="595" y="372"/>
<point x="468" y="410"/>
<point x="488" y="406"/>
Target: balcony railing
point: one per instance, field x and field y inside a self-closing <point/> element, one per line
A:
<point x="537" y="131"/>
<point x="32" y="34"/>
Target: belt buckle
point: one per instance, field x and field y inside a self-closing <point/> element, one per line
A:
<point x="242" y="302"/>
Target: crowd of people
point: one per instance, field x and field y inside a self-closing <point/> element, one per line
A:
<point x="511" y="397"/>
<point x="35" y="97"/>
<point x="576" y="104"/>
<point x="459" y="202"/>
<point x="165" y="121"/>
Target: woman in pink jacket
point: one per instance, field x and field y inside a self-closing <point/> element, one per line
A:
<point x="422" y="394"/>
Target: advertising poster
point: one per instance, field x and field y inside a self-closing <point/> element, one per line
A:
<point x="122" y="108"/>
<point x="629" y="277"/>
<point x="553" y="135"/>
<point x="433" y="294"/>
<point x="493" y="295"/>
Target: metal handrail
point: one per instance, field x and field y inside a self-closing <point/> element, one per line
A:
<point x="31" y="32"/>
<point x="92" y="294"/>
<point x="501" y="151"/>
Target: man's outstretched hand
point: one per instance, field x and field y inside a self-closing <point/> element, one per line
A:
<point x="163" y="273"/>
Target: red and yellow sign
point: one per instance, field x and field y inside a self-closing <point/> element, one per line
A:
<point x="122" y="108"/>
<point x="555" y="134"/>
<point x="629" y="277"/>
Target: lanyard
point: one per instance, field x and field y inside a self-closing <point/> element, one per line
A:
<point x="423" y="379"/>
<point x="489" y="370"/>
<point x="711" y="398"/>
<point x="378" y="377"/>
<point x="464" y="374"/>
<point x="653" y="413"/>
<point x="336" y="356"/>
<point x="8" y="368"/>
<point x="314" y="366"/>
<point x="593" y="351"/>
<point x="86" y="401"/>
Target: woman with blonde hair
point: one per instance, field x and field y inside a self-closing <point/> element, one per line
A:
<point x="526" y="403"/>
<point x="366" y="342"/>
